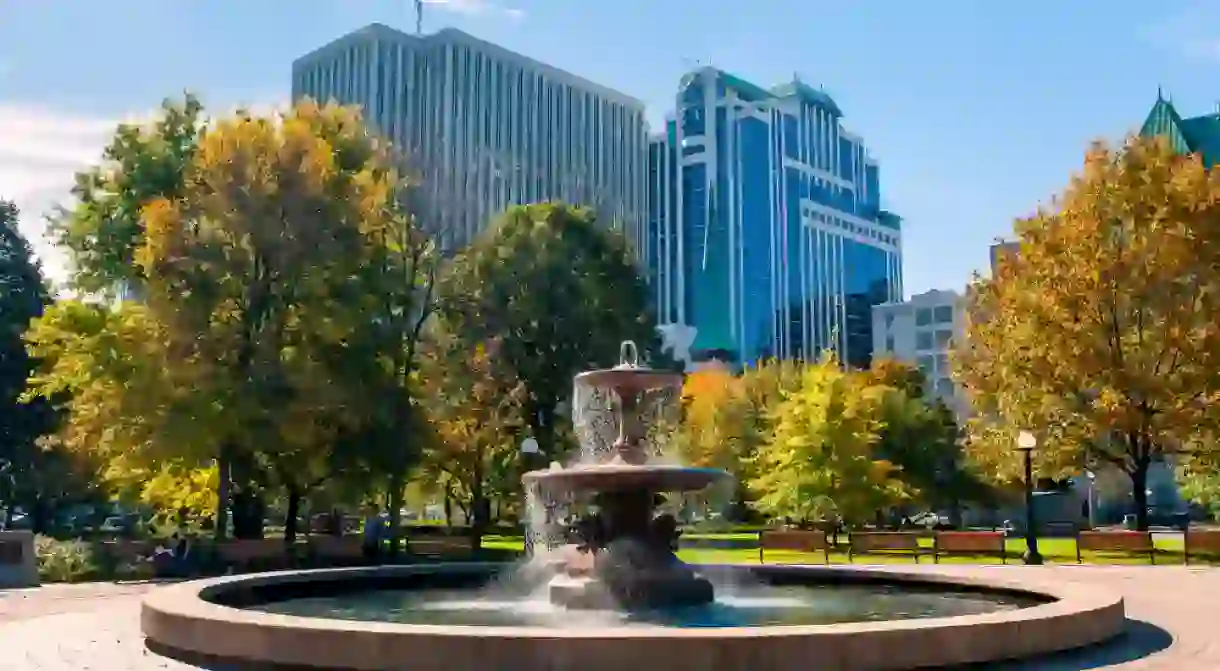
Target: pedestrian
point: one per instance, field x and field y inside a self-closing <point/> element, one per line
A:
<point x="374" y="527"/>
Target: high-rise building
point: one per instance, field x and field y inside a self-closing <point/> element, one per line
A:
<point x="921" y="332"/>
<point x="1192" y="135"/>
<point x="485" y="127"/>
<point x="765" y="234"/>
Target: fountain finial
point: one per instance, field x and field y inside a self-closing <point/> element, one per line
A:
<point x="628" y="355"/>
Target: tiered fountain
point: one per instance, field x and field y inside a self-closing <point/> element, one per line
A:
<point x="624" y="557"/>
<point x="615" y="595"/>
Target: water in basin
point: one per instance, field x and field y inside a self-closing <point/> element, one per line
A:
<point x="748" y="607"/>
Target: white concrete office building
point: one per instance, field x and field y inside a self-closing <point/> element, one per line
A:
<point x="921" y="331"/>
<point x="486" y="127"/>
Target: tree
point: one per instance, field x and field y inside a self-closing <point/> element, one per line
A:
<point x="559" y="293"/>
<point x="821" y="461"/>
<point x="1101" y="333"/>
<point x="475" y="407"/>
<point x="254" y="272"/>
<point x="23" y="295"/>
<point x="142" y="163"/>
<point x="107" y="373"/>
<point x="1199" y="480"/>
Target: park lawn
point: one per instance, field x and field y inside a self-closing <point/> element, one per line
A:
<point x="1054" y="550"/>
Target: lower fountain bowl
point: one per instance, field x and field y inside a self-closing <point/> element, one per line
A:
<point x="231" y="620"/>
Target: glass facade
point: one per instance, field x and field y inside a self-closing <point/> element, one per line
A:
<point x="485" y="127"/>
<point x="765" y="232"/>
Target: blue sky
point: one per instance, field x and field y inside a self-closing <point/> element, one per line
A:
<point x="976" y="110"/>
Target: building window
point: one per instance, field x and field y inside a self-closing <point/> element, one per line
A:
<point x="944" y="314"/>
<point x="923" y="316"/>
<point x="923" y="340"/>
<point x="925" y="364"/>
<point x="889" y="343"/>
<point x="944" y="387"/>
<point x="944" y="339"/>
<point x="889" y="322"/>
<point x="942" y="364"/>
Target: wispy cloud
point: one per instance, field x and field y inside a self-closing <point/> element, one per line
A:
<point x="476" y="8"/>
<point x="1193" y="32"/>
<point x="43" y="149"/>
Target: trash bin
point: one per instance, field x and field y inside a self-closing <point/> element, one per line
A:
<point x="1129" y="521"/>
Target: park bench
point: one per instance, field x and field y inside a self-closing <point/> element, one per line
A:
<point x="974" y="543"/>
<point x="1127" y="542"/>
<point x="796" y="540"/>
<point x="883" y="542"/>
<point x="337" y="549"/>
<point x="439" y="546"/>
<point x="1197" y="542"/>
<point x="254" y="554"/>
<point x="127" y="551"/>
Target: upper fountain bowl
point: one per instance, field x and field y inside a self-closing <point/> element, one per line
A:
<point x="620" y="476"/>
<point x="629" y="380"/>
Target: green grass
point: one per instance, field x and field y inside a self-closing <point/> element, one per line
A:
<point x="1053" y="550"/>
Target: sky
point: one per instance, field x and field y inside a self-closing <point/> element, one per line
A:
<point x="976" y="111"/>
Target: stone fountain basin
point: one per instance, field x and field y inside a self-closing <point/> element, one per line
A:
<point x="185" y="621"/>
<point x="613" y="477"/>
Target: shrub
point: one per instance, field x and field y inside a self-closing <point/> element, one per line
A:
<point x="64" y="561"/>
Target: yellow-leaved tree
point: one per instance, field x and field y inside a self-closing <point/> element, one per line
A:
<point x="821" y="462"/>
<point x="255" y="269"/>
<point x="1100" y="335"/>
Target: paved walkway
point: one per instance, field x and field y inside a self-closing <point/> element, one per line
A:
<point x="1172" y="613"/>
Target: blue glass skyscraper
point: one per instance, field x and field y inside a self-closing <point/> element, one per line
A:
<point x="765" y="234"/>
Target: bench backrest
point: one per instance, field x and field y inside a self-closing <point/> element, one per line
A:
<point x="337" y="546"/>
<point x="793" y="539"/>
<point x="1203" y="540"/>
<point x="883" y="540"/>
<point x="970" y="541"/>
<point x="245" y="550"/>
<point x="1130" y="541"/>
<point x="128" y="550"/>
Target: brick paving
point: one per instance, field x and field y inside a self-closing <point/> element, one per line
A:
<point x="96" y="627"/>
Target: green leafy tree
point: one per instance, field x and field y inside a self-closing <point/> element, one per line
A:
<point x="23" y="296"/>
<point x="559" y="293"/>
<point x="142" y="163"/>
<point x="821" y="461"/>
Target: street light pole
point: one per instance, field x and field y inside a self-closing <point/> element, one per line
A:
<point x="1026" y="442"/>
<point x="529" y="448"/>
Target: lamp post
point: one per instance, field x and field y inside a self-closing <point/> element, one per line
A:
<point x="1026" y="442"/>
<point x="529" y="448"/>
<point x="1092" y="498"/>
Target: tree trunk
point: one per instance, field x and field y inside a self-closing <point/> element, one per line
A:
<point x="292" y="515"/>
<point x="224" y="492"/>
<point x="478" y="508"/>
<point x="1139" y="491"/>
<point x="38" y="515"/>
<point x="395" y="496"/>
<point x="542" y="427"/>
<point x="448" y="510"/>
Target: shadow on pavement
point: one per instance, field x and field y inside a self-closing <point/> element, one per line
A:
<point x="1138" y="640"/>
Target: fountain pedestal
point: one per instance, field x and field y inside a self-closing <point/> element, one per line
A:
<point x="626" y="555"/>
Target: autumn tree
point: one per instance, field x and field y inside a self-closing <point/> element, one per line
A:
<point x="559" y="292"/>
<point x="474" y="404"/>
<point x="821" y="462"/>
<point x="1100" y="335"/>
<point x="142" y="163"/>
<point x="251" y="271"/>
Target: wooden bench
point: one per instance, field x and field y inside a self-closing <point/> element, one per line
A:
<point x="974" y="543"/>
<point x="1200" y="542"/>
<point x="439" y="546"/>
<point x="1131" y="542"/>
<point x="883" y="542"/>
<point x="254" y="554"/>
<point x="128" y="551"/>
<point x="338" y="549"/>
<point x="796" y="540"/>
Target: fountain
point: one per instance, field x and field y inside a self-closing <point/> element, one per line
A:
<point x="625" y="556"/>
<point x="609" y="593"/>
